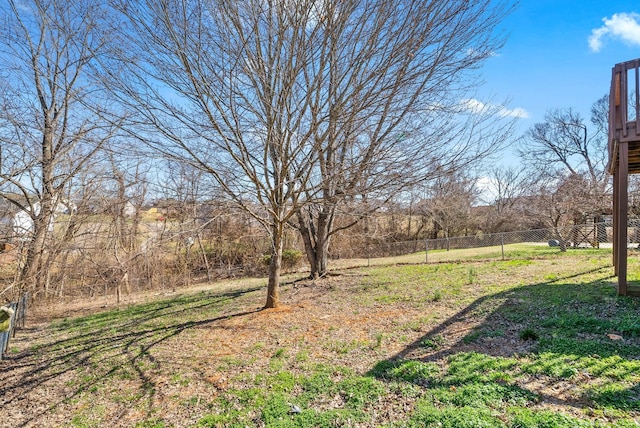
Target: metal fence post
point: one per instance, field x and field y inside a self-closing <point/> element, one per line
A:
<point x="502" y="244"/>
<point x="426" y="251"/>
<point x="23" y="309"/>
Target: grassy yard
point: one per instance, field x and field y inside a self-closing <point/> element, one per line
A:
<point x="538" y="340"/>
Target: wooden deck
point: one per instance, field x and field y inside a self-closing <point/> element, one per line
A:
<point x="624" y="158"/>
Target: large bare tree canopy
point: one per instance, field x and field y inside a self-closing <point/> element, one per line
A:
<point x="291" y="104"/>
<point x="49" y="129"/>
<point x="564" y="140"/>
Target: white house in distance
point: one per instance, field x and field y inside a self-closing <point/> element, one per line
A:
<point x="23" y="225"/>
<point x="22" y="222"/>
<point x="129" y="209"/>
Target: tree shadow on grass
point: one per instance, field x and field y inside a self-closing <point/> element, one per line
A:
<point x="562" y="342"/>
<point x="106" y="344"/>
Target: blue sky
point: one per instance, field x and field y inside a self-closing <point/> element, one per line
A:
<point x="559" y="53"/>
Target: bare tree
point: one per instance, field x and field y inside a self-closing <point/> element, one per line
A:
<point x="395" y="77"/>
<point x="448" y="205"/>
<point x="50" y="132"/>
<point x="237" y="71"/>
<point x="563" y="140"/>
<point x="565" y="155"/>
<point x="559" y="202"/>
<point x="503" y="192"/>
<point x="296" y="104"/>
<point x="391" y="168"/>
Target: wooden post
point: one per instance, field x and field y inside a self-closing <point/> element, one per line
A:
<point x="616" y="226"/>
<point x="621" y="214"/>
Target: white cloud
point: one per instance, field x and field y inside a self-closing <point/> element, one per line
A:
<point x="478" y="107"/>
<point x="622" y="26"/>
<point x="516" y="112"/>
<point x="474" y="106"/>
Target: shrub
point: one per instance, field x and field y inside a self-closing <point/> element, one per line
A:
<point x="290" y="259"/>
<point x="528" y="334"/>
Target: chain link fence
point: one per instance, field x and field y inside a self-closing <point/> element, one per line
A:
<point x="588" y="235"/>
<point x="102" y="259"/>
<point x="500" y="245"/>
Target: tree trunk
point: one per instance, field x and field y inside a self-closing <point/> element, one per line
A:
<point x="316" y="240"/>
<point x="275" y="267"/>
<point x="34" y="269"/>
<point x="33" y="272"/>
<point x="29" y="275"/>
<point x="563" y="244"/>
<point x="308" y="240"/>
<point x="322" y="244"/>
